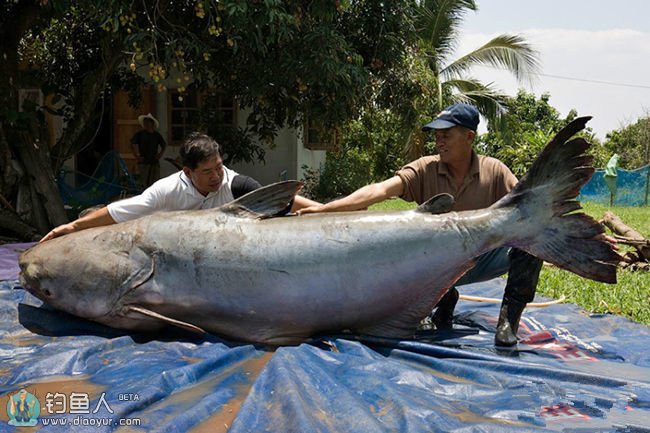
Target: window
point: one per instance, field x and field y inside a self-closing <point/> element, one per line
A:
<point x="185" y="114"/>
<point x="317" y="139"/>
<point x="223" y="115"/>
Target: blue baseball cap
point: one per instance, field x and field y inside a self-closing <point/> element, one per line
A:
<point x="455" y="115"/>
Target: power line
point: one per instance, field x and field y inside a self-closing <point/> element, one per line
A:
<point x="609" y="83"/>
<point x="583" y="80"/>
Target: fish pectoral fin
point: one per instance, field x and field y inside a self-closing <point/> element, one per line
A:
<point x="158" y="316"/>
<point x="143" y="272"/>
<point x="268" y="201"/>
<point x="441" y="203"/>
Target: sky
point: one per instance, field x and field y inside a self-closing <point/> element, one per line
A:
<point x="594" y="55"/>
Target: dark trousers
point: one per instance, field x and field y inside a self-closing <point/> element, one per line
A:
<point x="149" y="173"/>
<point x="496" y="263"/>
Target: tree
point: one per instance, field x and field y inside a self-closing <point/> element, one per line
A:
<point x="370" y="150"/>
<point x="632" y="143"/>
<point x="27" y="188"/>
<point x="532" y="123"/>
<point x="437" y="24"/>
<point x="446" y="79"/>
<point x="431" y="79"/>
<point x="282" y="60"/>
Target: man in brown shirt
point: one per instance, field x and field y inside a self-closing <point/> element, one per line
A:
<point x="476" y="182"/>
<point x="486" y="181"/>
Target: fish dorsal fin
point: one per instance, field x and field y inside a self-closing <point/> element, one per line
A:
<point x="441" y="203"/>
<point x="158" y="316"/>
<point x="265" y="202"/>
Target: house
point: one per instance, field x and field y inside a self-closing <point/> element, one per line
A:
<point x="292" y="153"/>
<point x="178" y="116"/>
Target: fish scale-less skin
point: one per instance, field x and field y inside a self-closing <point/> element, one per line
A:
<point x="275" y="280"/>
<point x="235" y="272"/>
<point x="314" y="272"/>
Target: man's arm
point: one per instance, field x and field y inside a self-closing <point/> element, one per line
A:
<point x="100" y="217"/>
<point x="300" y="202"/>
<point x="163" y="145"/>
<point x="242" y="185"/>
<point x="136" y="152"/>
<point x="135" y="146"/>
<point x="361" y="198"/>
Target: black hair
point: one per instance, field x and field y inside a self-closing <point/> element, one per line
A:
<point x="196" y="148"/>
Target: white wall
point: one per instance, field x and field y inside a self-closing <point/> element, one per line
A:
<point x="283" y="161"/>
<point x="278" y="161"/>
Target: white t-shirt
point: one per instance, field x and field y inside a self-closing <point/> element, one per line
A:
<point x="174" y="192"/>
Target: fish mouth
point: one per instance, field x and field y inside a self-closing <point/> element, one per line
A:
<point x="30" y="276"/>
<point x="33" y="286"/>
<point x="23" y="285"/>
<point x="29" y="289"/>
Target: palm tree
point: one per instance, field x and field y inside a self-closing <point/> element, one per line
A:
<point x="437" y="23"/>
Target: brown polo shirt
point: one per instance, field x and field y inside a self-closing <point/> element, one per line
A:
<point x="487" y="181"/>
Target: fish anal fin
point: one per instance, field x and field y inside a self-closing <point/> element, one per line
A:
<point x="440" y="203"/>
<point x="404" y="323"/>
<point x="389" y="330"/>
<point x="163" y="318"/>
<point x="268" y="201"/>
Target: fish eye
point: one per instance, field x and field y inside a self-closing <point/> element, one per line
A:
<point x="47" y="293"/>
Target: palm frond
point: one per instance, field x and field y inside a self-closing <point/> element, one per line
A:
<point x="488" y="99"/>
<point x="508" y="52"/>
<point x="437" y="23"/>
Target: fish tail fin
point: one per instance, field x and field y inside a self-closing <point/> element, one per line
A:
<point x="546" y="197"/>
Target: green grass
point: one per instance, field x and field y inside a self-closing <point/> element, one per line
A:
<point x="629" y="297"/>
<point x="393" y="204"/>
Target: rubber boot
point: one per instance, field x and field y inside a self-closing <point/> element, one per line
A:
<point x="508" y="323"/>
<point x="523" y="276"/>
<point x="443" y="318"/>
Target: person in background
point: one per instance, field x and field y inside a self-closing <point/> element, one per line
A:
<point x="148" y="147"/>
<point x="476" y="182"/>
<point x="203" y="183"/>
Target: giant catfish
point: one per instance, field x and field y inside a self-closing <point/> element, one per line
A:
<point x="243" y="275"/>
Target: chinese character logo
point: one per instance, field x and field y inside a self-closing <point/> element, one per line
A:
<point x="23" y="409"/>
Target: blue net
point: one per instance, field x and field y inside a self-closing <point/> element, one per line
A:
<point x="630" y="186"/>
<point x="111" y="180"/>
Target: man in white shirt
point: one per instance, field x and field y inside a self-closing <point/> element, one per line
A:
<point x="203" y="183"/>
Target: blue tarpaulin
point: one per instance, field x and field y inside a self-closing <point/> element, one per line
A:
<point x="572" y="372"/>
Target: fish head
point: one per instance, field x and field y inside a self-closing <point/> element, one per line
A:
<point x="84" y="273"/>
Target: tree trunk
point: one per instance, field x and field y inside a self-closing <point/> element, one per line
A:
<point x="84" y="107"/>
<point x="18" y="152"/>
<point x="35" y="159"/>
<point x="13" y="186"/>
<point x="619" y="227"/>
<point x="11" y="221"/>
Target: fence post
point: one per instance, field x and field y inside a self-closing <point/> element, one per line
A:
<point x="647" y="183"/>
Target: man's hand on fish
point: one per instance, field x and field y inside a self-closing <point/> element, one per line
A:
<point x="61" y="230"/>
